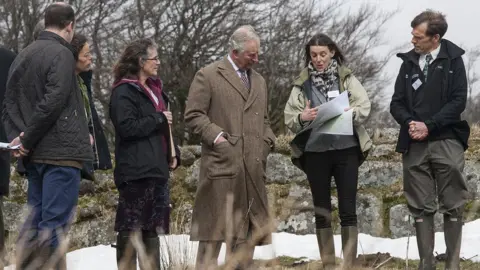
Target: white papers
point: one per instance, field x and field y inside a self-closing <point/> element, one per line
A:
<point x="332" y="118"/>
<point x="7" y="146"/>
<point x="331" y="109"/>
<point x="340" y="125"/>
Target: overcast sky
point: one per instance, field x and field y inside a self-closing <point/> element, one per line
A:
<point x="462" y="17"/>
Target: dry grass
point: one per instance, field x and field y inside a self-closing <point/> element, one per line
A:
<point x="180" y="255"/>
<point x="177" y="255"/>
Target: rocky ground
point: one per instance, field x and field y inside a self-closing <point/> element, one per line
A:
<point x="381" y="206"/>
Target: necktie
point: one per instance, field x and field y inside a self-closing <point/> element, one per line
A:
<point x="243" y="76"/>
<point x="428" y="58"/>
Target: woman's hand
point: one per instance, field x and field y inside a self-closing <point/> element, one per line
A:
<point x="308" y="113"/>
<point x="173" y="163"/>
<point x="168" y="115"/>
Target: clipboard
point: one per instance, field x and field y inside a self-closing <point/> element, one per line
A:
<point x="172" y="145"/>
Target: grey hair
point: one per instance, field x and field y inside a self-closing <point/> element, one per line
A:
<point x="38" y="28"/>
<point x="242" y="35"/>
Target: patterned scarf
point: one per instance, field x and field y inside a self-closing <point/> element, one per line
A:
<point x="323" y="80"/>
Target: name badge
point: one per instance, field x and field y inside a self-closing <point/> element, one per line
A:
<point x="417" y="84"/>
<point x="333" y="94"/>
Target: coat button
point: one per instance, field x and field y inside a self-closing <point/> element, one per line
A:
<point x="257" y="136"/>
<point x="257" y="159"/>
<point x="256" y="113"/>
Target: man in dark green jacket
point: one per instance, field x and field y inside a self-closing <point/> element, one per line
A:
<point x="44" y="115"/>
<point x="430" y="96"/>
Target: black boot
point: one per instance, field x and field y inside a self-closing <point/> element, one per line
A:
<point x="452" y="227"/>
<point x="424" y="227"/>
<point x="327" y="247"/>
<point x="152" y="248"/>
<point x="349" y="246"/>
<point x="126" y="253"/>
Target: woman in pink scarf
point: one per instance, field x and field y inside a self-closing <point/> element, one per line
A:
<point x="142" y="153"/>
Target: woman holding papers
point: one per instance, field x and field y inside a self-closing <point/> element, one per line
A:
<point x="143" y="152"/>
<point x="323" y="147"/>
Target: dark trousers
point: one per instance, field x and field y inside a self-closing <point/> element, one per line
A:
<point x="2" y="235"/>
<point x="343" y="166"/>
<point x="434" y="169"/>
<point x="52" y="198"/>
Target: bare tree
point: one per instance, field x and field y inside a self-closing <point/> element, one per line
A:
<point x="17" y="21"/>
<point x="357" y="33"/>
<point x="473" y="101"/>
<point x="191" y="34"/>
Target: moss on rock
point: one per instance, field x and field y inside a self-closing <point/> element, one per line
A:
<point x="179" y="191"/>
<point x="282" y="144"/>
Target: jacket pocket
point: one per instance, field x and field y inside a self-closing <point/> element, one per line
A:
<point x="68" y="132"/>
<point x="67" y="122"/>
<point x="222" y="163"/>
<point x="363" y="138"/>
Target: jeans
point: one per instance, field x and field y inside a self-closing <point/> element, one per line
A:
<point x="52" y="198"/>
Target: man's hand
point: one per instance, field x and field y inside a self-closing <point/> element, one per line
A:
<point x="220" y="140"/>
<point x="21" y="152"/>
<point x="173" y="163"/>
<point x="168" y="115"/>
<point x="308" y="113"/>
<point x="417" y="130"/>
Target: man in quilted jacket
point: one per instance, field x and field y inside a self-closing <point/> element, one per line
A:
<point x="44" y="116"/>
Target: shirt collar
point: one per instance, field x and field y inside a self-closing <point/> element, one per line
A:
<point x="435" y="52"/>
<point x="233" y="64"/>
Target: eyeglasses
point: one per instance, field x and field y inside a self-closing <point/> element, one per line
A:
<point x="154" y="59"/>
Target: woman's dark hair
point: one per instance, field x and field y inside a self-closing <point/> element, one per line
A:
<point x="323" y="40"/>
<point x="128" y="65"/>
<point x="78" y="42"/>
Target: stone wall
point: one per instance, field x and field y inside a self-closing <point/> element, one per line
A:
<point x="381" y="207"/>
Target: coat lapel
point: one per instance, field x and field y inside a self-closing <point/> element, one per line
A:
<point x="255" y="86"/>
<point x="227" y="71"/>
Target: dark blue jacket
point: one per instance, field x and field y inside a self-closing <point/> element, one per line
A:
<point x="444" y="96"/>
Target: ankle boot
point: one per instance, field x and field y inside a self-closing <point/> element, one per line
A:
<point x="126" y="253"/>
<point x="349" y="246"/>
<point x="327" y="247"/>
<point x="452" y="227"/>
<point x="424" y="227"/>
<point x="152" y="248"/>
